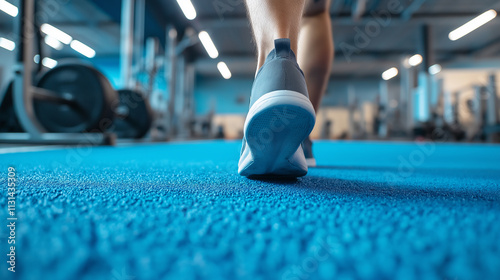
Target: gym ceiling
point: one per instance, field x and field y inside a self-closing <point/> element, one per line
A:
<point x="96" y="23"/>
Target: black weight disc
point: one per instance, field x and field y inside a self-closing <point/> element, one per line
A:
<point x="134" y="115"/>
<point x="91" y="93"/>
<point x="8" y="119"/>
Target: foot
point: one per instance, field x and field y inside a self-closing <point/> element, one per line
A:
<point x="308" y="153"/>
<point x="279" y="120"/>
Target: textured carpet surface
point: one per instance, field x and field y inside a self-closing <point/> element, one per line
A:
<point x="180" y="211"/>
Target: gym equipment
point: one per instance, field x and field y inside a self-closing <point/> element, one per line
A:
<point x="492" y="127"/>
<point x="477" y="107"/>
<point x="173" y="109"/>
<point x="484" y="107"/>
<point x="153" y="64"/>
<point x="8" y="119"/>
<point x="68" y="99"/>
<point x="134" y="115"/>
<point x="138" y="112"/>
<point x="357" y="126"/>
<point x="75" y="98"/>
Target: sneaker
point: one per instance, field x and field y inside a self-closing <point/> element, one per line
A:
<point x="279" y="120"/>
<point x="308" y="153"/>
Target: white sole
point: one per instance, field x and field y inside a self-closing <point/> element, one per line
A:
<point x="274" y="129"/>
<point x="311" y="162"/>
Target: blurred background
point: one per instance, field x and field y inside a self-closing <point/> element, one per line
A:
<point x="403" y="70"/>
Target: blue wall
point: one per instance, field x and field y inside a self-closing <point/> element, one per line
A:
<point x="226" y="93"/>
<point x="223" y="94"/>
<point x="110" y="67"/>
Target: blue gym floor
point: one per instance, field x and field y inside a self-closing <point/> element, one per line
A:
<point x="181" y="211"/>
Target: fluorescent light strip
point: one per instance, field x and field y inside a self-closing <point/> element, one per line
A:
<point x="434" y="69"/>
<point x="56" y="33"/>
<point x="390" y="73"/>
<point x="208" y="44"/>
<point x="224" y="70"/>
<point x="7" y="44"/>
<point x="49" y="62"/>
<point x="415" y="60"/>
<point x="53" y="42"/>
<point x="472" y="25"/>
<point x="8" y="8"/>
<point x="83" y="49"/>
<point x="187" y="8"/>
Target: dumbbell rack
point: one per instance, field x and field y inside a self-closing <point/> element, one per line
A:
<point x="23" y="92"/>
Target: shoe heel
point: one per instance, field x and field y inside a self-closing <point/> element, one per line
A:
<point x="274" y="134"/>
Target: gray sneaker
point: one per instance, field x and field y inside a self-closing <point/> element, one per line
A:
<point x="279" y="120"/>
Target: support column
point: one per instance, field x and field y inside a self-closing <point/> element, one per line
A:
<point x="181" y="87"/>
<point x="351" y="100"/>
<point x="383" y="129"/>
<point x="22" y="97"/>
<point x="127" y="43"/>
<point x="190" y="81"/>
<point x="456" y="108"/>
<point x="150" y="63"/>
<point x="188" y="99"/>
<point x="448" y="113"/>
<point x="478" y="111"/>
<point x="426" y="47"/>
<point x="436" y="94"/>
<point x="138" y="61"/>
<point x="170" y="71"/>
<point x="405" y="97"/>
<point x="424" y="101"/>
<point x="493" y="105"/>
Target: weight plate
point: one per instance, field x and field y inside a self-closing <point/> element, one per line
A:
<point x="134" y="115"/>
<point x="8" y="118"/>
<point x="88" y="89"/>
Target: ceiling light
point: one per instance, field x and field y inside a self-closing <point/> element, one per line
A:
<point x="53" y="42"/>
<point x="83" y="49"/>
<point x="224" y="70"/>
<point x="434" y="69"/>
<point x="56" y="33"/>
<point x="472" y="25"/>
<point x="49" y="62"/>
<point x="187" y="8"/>
<point x="390" y="73"/>
<point x="415" y="60"/>
<point x="8" y="8"/>
<point x="208" y="44"/>
<point x="7" y="44"/>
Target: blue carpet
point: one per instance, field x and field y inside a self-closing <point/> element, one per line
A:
<point x="180" y="211"/>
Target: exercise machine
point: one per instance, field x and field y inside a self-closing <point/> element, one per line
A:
<point x="484" y="108"/>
